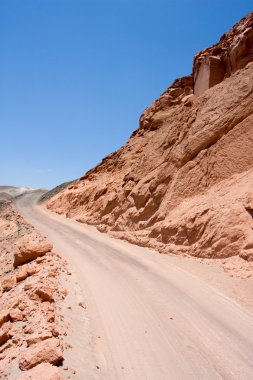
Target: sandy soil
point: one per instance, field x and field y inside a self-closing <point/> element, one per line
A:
<point x="153" y="316"/>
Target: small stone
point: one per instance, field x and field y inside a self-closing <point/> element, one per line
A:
<point x="28" y="286"/>
<point x="8" y="283"/>
<point x="81" y="303"/>
<point x="40" y="260"/>
<point x="21" y="274"/>
<point x="4" y="317"/>
<point x="16" y="315"/>
<point x="72" y="370"/>
<point x="32" y="268"/>
<point x="45" y="293"/>
<point x="5" y="332"/>
<point x="55" y="331"/>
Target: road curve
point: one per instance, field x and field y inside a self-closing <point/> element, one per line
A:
<point x="154" y="320"/>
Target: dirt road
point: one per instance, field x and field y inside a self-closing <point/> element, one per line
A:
<point x="150" y="319"/>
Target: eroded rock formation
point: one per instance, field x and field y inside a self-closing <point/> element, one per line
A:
<point x="232" y="52"/>
<point x="183" y="182"/>
<point x="31" y="327"/>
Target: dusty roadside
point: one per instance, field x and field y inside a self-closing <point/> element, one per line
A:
<point x="233" y="277"/>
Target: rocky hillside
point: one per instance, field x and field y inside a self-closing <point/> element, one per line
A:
<point x="183" y="182"/>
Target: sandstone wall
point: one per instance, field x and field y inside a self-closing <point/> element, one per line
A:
<point x="183" y="182"/>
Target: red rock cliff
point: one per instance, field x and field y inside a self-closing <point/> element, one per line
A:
<point x="183" y="182"/>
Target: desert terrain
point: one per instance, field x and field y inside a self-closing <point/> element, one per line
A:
<point x="142" y="268"/>
<point x="154" y="316"/>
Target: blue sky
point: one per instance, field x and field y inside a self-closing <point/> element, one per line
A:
<point x="75" y="75"/>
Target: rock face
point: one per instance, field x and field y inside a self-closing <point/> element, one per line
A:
<point x="183" y="182"/>
<point x="232" y="52"/>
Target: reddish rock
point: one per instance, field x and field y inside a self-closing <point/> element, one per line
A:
<point x="29" y="249"/>
<point x="247" y="254"/>
<point x="29" y="286"/>
<point x="210" y="72"/>
<point x="21" y="273"/>
<point x="16" y="315"/>
<point x="234" y="51"/>
<point x="5" y="332"/>
<point x="43" y="371"/>
<point x="8" y="283"/>
<point x="37" y="337"/>
<point x="46" y="293"/>
<point x="4" y="317"/>
<point x="32" y="268"/>
<point x="45" y="351"/>
<point x="25" y="271"/>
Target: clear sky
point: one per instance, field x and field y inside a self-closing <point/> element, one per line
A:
<point x="75" y="75"/>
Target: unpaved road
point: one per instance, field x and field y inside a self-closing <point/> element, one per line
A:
<point x="150" y="320"/>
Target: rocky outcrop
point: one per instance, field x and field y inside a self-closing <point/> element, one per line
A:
<point x="232" y="52"/>
<point x="183" y="182"/>
<point x="31" y="330"/>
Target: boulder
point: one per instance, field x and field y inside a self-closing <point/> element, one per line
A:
<point x="48" y="351"/>
<point x="30" y="249"/>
